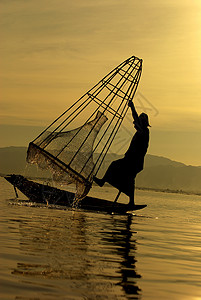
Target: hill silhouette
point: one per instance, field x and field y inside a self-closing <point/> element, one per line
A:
<point x="159" y="172"/>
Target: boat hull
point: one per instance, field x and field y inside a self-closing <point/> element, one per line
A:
<point x="41" y="193"/>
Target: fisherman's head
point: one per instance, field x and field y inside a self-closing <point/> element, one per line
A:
<point x="144" y="120"/>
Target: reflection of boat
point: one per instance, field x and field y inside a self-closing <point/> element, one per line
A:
<point x="78" y="255"/>
<point x="74" y="151"/>
<point x="41" y="193"/>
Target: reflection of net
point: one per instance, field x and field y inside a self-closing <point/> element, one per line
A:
<point x="69" y="154"/>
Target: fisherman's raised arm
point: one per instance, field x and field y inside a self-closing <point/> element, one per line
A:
<point x="134" y="113"/>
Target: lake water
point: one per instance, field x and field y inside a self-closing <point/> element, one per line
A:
<point x="51" y="253"/>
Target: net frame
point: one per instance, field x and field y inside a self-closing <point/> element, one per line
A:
<point x="110" y="95"/>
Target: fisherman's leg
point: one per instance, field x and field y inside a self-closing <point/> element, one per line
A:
<point x="108" y="174"/>
<point x="131" y="196"/>
<point x="99" y="181"/>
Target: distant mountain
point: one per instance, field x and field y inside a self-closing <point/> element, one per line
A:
<point x="12" y="160"/>
<point x="172" y="177"/>
<point x="159" y="172"/>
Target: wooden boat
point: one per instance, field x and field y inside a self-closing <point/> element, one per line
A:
<point x="74" y="151"/>
<point x="45" y="194"/>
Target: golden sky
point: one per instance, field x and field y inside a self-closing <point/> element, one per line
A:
<point x="52" y="52"/>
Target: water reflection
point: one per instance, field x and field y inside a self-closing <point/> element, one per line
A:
<point x="55" y="243"/>
<point x="80" y="254"/>
<point x="122" y="237"/>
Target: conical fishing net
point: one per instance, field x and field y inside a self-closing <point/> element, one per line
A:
<point x="75" y="145"/>
<point x="69" y="154"/>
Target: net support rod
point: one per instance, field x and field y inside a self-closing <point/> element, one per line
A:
<point x="120" y="65"/>
<point x="135" y="82"/>
<point x="107" y="105"/>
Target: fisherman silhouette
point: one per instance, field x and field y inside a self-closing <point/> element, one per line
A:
<point x="122" y="172"/>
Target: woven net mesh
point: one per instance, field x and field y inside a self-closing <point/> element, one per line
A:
<point x="74" y="146"/>
<point x="69" y="154"/>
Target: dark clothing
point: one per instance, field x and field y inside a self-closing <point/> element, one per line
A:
<point x="137" y="150"/>
<point x="122" y="172"/>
